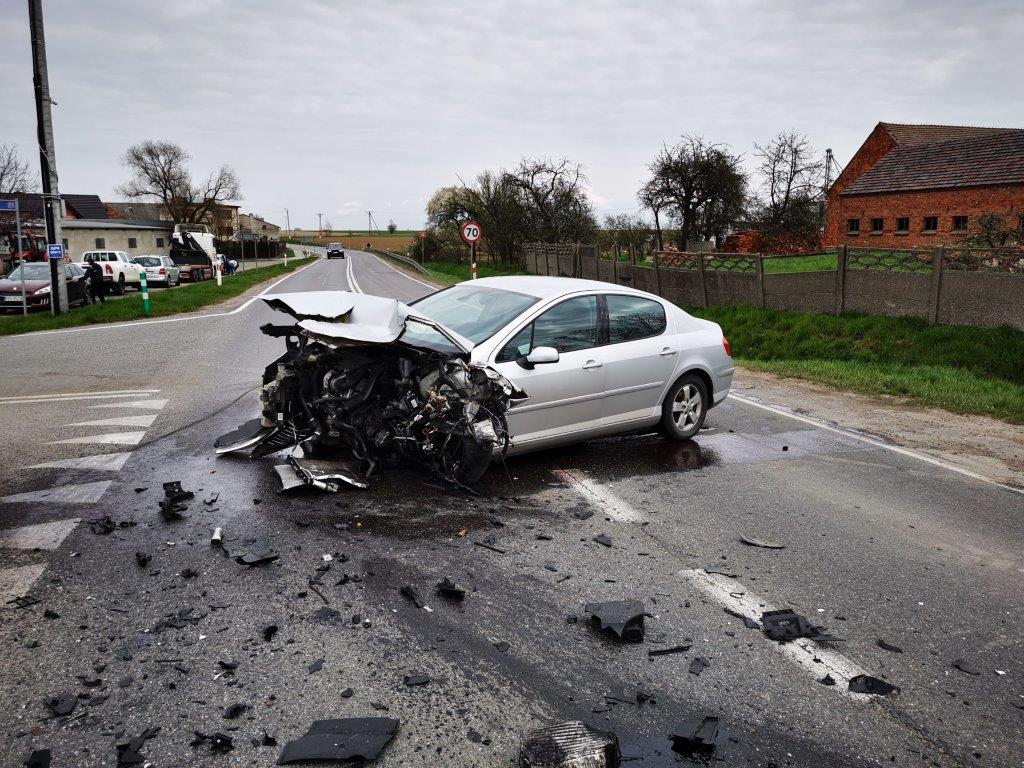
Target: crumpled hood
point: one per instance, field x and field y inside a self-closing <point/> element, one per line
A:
<point x="353" y="316"/>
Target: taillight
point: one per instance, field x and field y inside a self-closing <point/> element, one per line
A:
<point x="728" y="348"/>
<point x="162" y="271"/>
<point x="107" y="269"/>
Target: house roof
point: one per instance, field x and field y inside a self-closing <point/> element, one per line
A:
<point x="912" y="135"/>
<point x="81" y="206"/>
<point x="993" y="158"/>
<point x="111" y="224"/>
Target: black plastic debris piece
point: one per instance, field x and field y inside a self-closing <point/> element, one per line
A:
<point x="448" y="588"/>
<point x="416" y="678"/>
<point x="965" y="666"/>
<point x="501" y="645"/>
<point x="175" y="493"/>
<point x="409" y="592"/>
<point x="748" y="622"/>
<point x="172" y="510"/>
<point x="349" y="738"/>
<point x="142" y="559"/>
<point x="583" y="513"/>
<point x="131" y="753"/>
<point x="220" y="743"/>
<point x="828" y="680"/>
<point x="269" y="631"/>
<point x="50" y="614"/>
<point x="721" y="570"/>
<point x="623" y="619"/>
<point x="316" y="666"/>
<point x="490" y="543"/>
<point x="102" y="525"/>
<point x="178" y="620"/>
<point x="379" y="706"/>
<point x="257" y="556"/>
<point x="189" y="573"/>
<point x="40" y="758"/>
<point x="695" y="735"/>
<point x="698" y="665"/>
<point x="23" y="601"/>
<point x="888" y="646"/>
<point x="753" y="541"/>
<point x="348" y="693"/>
<point x="872" y="685"/>
<point x="268" y="740"/>
<point x="682" y="648"/>
<point x="624" y="695"/>
<point x="570" y="744"/>
<point x="236" y="710"/>
<point x="603" y="539"/>
<point x="785" y="624"/>
<point x="62" y="704"/>
<point x="211" y="500"/>
<point x="227" y="666"/>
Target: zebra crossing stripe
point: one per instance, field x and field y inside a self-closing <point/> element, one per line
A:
<point x="111" y="438"/>
<point x="157" y="404"/>
<point x="139" y="420"/>
<point x="103" y="462"/>
<point x="83" y="493"/>
<point x="40" y="536"/>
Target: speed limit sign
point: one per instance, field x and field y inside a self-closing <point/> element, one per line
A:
<point x="471" y="232"/>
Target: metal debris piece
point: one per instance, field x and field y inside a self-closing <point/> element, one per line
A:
<point x="448" y="588"/>
<point x="872" y="685"/>
<point x="344" y="739"/>
<point x="416" y="678"/>
<point x="571" y="744"/>
<point x="698" y="665"/>
<point x="217" y="539"/>
<point x="62" y="704"/>
<point x="289" y="477"/>
<point x="40" y="758"/>
<point x="965" y="666"/>
<point x="763" y="543"/>
<point x="683" y="648"/>
<point x="785" y="624"/>
<point x="695" y="735"/>
<point x="603" y="539"/>
<point x="102" y="525"/>
<point x="888" y="646"/>
<point x="622" y="618"/>
<point x="227" y="666"/>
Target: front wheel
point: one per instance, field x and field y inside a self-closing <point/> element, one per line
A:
<point x="120" y="285"/>
<point x="684" y="408"/>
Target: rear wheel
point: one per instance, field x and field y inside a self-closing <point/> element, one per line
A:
<point x="684" y="408"/>
<point x="119" y="289"/>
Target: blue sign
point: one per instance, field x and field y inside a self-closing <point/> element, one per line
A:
<point x="55" y="251"/>
<point x="8" y="205"/>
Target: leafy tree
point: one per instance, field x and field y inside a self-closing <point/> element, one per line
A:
<point x="392" y="227"/>
<point x="993" y="230"/>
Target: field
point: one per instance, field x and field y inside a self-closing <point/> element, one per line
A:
<point x="357" y="240"/>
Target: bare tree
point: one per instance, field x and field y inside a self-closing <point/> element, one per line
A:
<point x="160" y="172"/>
<point x="327" y="225"/>
<point x="653" y="196"/>
<point x="15" y="175"/>
<point x="628" y="231"/>
<point x="992" y="230"/>
<point x="555" y="195"/>
<point x="792" y="178"/>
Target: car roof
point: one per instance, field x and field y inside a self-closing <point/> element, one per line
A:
<point x="548" y="287"/>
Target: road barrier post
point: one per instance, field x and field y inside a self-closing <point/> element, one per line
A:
<point x="144" y="289"/>
<point x="220" y="280"/>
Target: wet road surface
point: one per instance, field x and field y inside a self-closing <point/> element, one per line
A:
<point x="878" y="546"/>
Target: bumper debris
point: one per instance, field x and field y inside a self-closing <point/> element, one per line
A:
<point x="572" y="744"/>
<point x="345" y="739"/>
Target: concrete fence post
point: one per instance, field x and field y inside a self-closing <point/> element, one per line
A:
<point x="759" y="265"/>
<point x="632" y="255"/>
<point x="938" y="257"/>
<point x="840" y="279"/>
<point x="615" y="265"/>
<point x="657" y="275"/>
<point x="703" y="282"/>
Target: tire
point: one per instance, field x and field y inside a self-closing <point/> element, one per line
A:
<point x="119" y="290"/>
<point x="684" y="408"/>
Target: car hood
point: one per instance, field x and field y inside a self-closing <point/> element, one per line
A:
<point x="7" y="286"/>
<point x="355" y="316"/>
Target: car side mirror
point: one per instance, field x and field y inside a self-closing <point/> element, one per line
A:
<point x="539" y="356"/>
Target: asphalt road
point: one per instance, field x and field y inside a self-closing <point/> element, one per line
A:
<point x="878" y="546"/>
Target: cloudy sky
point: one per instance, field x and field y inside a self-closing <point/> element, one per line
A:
<point x="341" y="107"/>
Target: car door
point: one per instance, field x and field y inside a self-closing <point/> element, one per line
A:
<point x="640" y="357"/>
<point x="565" y="396"/>
<point x="75" y="280"/>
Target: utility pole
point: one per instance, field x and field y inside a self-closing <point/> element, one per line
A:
<point x="47" y="157"/>
<point x="320" y="223"/>
<point x="369" y="219"/>
<point x="287" y="224"/>
<point x="822" y="208"/>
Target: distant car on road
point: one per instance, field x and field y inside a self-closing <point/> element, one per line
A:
<point x="160" y="269"/>
<point x="118" y="269"/>
<point x="37" y="287"/>
<point x="335" y="251"/>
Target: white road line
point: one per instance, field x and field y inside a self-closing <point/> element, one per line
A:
<point x="67" y="398"/>
<point x="16" y="582"/>
<point x="46" y="536"/>
<point x="156" y="404"/>
<point x="110" y="438"/>
<point x="813" y="658"/>
<point x="100" y="393"/>
<point x="403" y="274"/>
<point x="875" y="443"/>
<point x="104" y="462"/>
<point x="138" y="420"/>
<point x="83" y="493"/>
<point x="137" y="323"/>
<point x="351" y="276"/>
<point x="613" y="506"/>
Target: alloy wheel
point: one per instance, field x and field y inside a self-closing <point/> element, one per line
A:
<point x="687" y="407"/>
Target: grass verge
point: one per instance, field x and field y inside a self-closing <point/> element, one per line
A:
<point x="186" y="298"/>
<point x="958" y="368"/>
<point x="450" y="272"/>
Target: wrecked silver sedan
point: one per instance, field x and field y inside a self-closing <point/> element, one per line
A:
<point x="368" y="382"/>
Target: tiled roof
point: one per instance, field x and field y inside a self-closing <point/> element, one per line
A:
<point x="81" y="206"/>
<point x="912" y="135"/>
<point x="991" y="159"/>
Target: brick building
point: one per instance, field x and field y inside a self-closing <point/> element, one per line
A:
<point x="918" y="186"/>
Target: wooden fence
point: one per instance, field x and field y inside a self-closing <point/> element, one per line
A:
<point x="953" y="286"/>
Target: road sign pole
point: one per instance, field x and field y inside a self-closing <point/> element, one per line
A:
<point x="472" y="269"/>
<point x="144" y="289"/>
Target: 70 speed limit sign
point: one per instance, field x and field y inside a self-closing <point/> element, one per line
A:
<point x="471" y="232"/>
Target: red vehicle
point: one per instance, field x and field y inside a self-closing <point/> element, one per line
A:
<point x="37" y="287"/>
<point x="32" y="247"/>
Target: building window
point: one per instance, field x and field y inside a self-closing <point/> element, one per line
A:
<point x="876" y="226"/>
<point x="853" y="226"/>
<point x="959" y="223"/>
<point x="159" y="242"/>
<point x="902" y="225"/>
<point x="931" y="224"/>
<point x="65" y="241"/>
<point x="133" y="243"/>
<point x="101" y="242"/>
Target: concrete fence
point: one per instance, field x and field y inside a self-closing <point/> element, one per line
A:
<point x="953" y="286"/>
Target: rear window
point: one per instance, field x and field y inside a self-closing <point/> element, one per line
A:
<point x="633" y="317"/>
<point x="148" y="261"/>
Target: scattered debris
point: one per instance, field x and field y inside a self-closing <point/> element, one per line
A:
<point x="220" y="743"/>
<point x="965" y="666"/>
<point x="24" y="601"/>
<point x="40" y="758"/>
<point x="175" y="493"/>
<point x="828" y="680"/>
<point x="348" y="693"/>
<point x="501" y="645"/>
<point x="622" y="618"/>
<point x="888" y="646"/>
<point x="583" y="513"/>
<point x="211" y="500"/>
<point x="409" y="592"/>
<point x="416" y="678"/>
<point x="448" y="588"/>
<point x="131" y="753"/>
<point x="50" y="614"/>
<point x="869" y="684"/>
<point x="257" y="556"/>
<point x="695" y="735"/>
<point x="316" y="666"/>
<point x="217" y="539"/>
<point x="268" y="740"/>
<point x="603" y="539"/>
<point x="269" y="632"/>
<point x="764" y="543"/>
<point x="748" y="622"/>
<point x="345" y="739"/>
<point x="489" y="543"/>
<point x="62" y="704"/>
<point x="571" y="744"/>
<point x="698" y="665"/>
<point x="785" y="624"/>
<point x="189" y="573"/>
<point x="233" y="711"/>
<point x="102" y="525"/>
<point x="143" y="558"/>
<point x="683" y="648"/>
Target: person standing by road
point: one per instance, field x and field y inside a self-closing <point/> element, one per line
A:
<point x="98" y="288"/>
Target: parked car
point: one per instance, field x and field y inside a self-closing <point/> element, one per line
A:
<point x="159" y="269"/>
<point x="481" y="369"/>
<point x="335" y="251"/>
<point x="37" y="287"/>
<point x="118" y="269"/>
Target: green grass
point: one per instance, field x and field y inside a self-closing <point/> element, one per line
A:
<point x="187" y="298"/>
<point x="451" y="272"/>
<point x="958" y="368"/>
<point x="815" y="262"/>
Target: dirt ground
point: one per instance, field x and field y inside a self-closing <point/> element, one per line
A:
<point x="989" y="447"/>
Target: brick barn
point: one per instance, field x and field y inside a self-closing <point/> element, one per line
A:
<point x="919" y="186"/>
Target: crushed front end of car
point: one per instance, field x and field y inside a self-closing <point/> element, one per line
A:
<point x="365" y="383"/>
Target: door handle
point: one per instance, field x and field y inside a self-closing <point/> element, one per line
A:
<point x="667" y="351"/>
<point x="591" y="364"/>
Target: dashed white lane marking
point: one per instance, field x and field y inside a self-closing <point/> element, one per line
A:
<point x="68" y="396"/>
<point x="82" y="493"/>
<point x="110" y="438"/>
<point x="138" y="420"/>
<point x="103" y="462"/>
<point x="157" y="404"/>
<point x="16" y="582"/>
<point x="814" y="659"/>
<point x="46" y="536"/>
<point x="608" y="500"/>
<point x="875" y="443"/>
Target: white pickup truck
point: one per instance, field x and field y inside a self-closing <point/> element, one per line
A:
<point x="119" y="271"/>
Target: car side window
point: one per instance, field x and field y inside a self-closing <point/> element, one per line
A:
<point x="518" y="346"/>
<point x="633" y="317"/>
<point x="569" y="326"/>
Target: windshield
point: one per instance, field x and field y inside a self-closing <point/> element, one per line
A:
<point x="32" y="272"/>
<point x="418" y="334"/>
<point x="474" y="311"/>
<point x="148" y="261"/>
